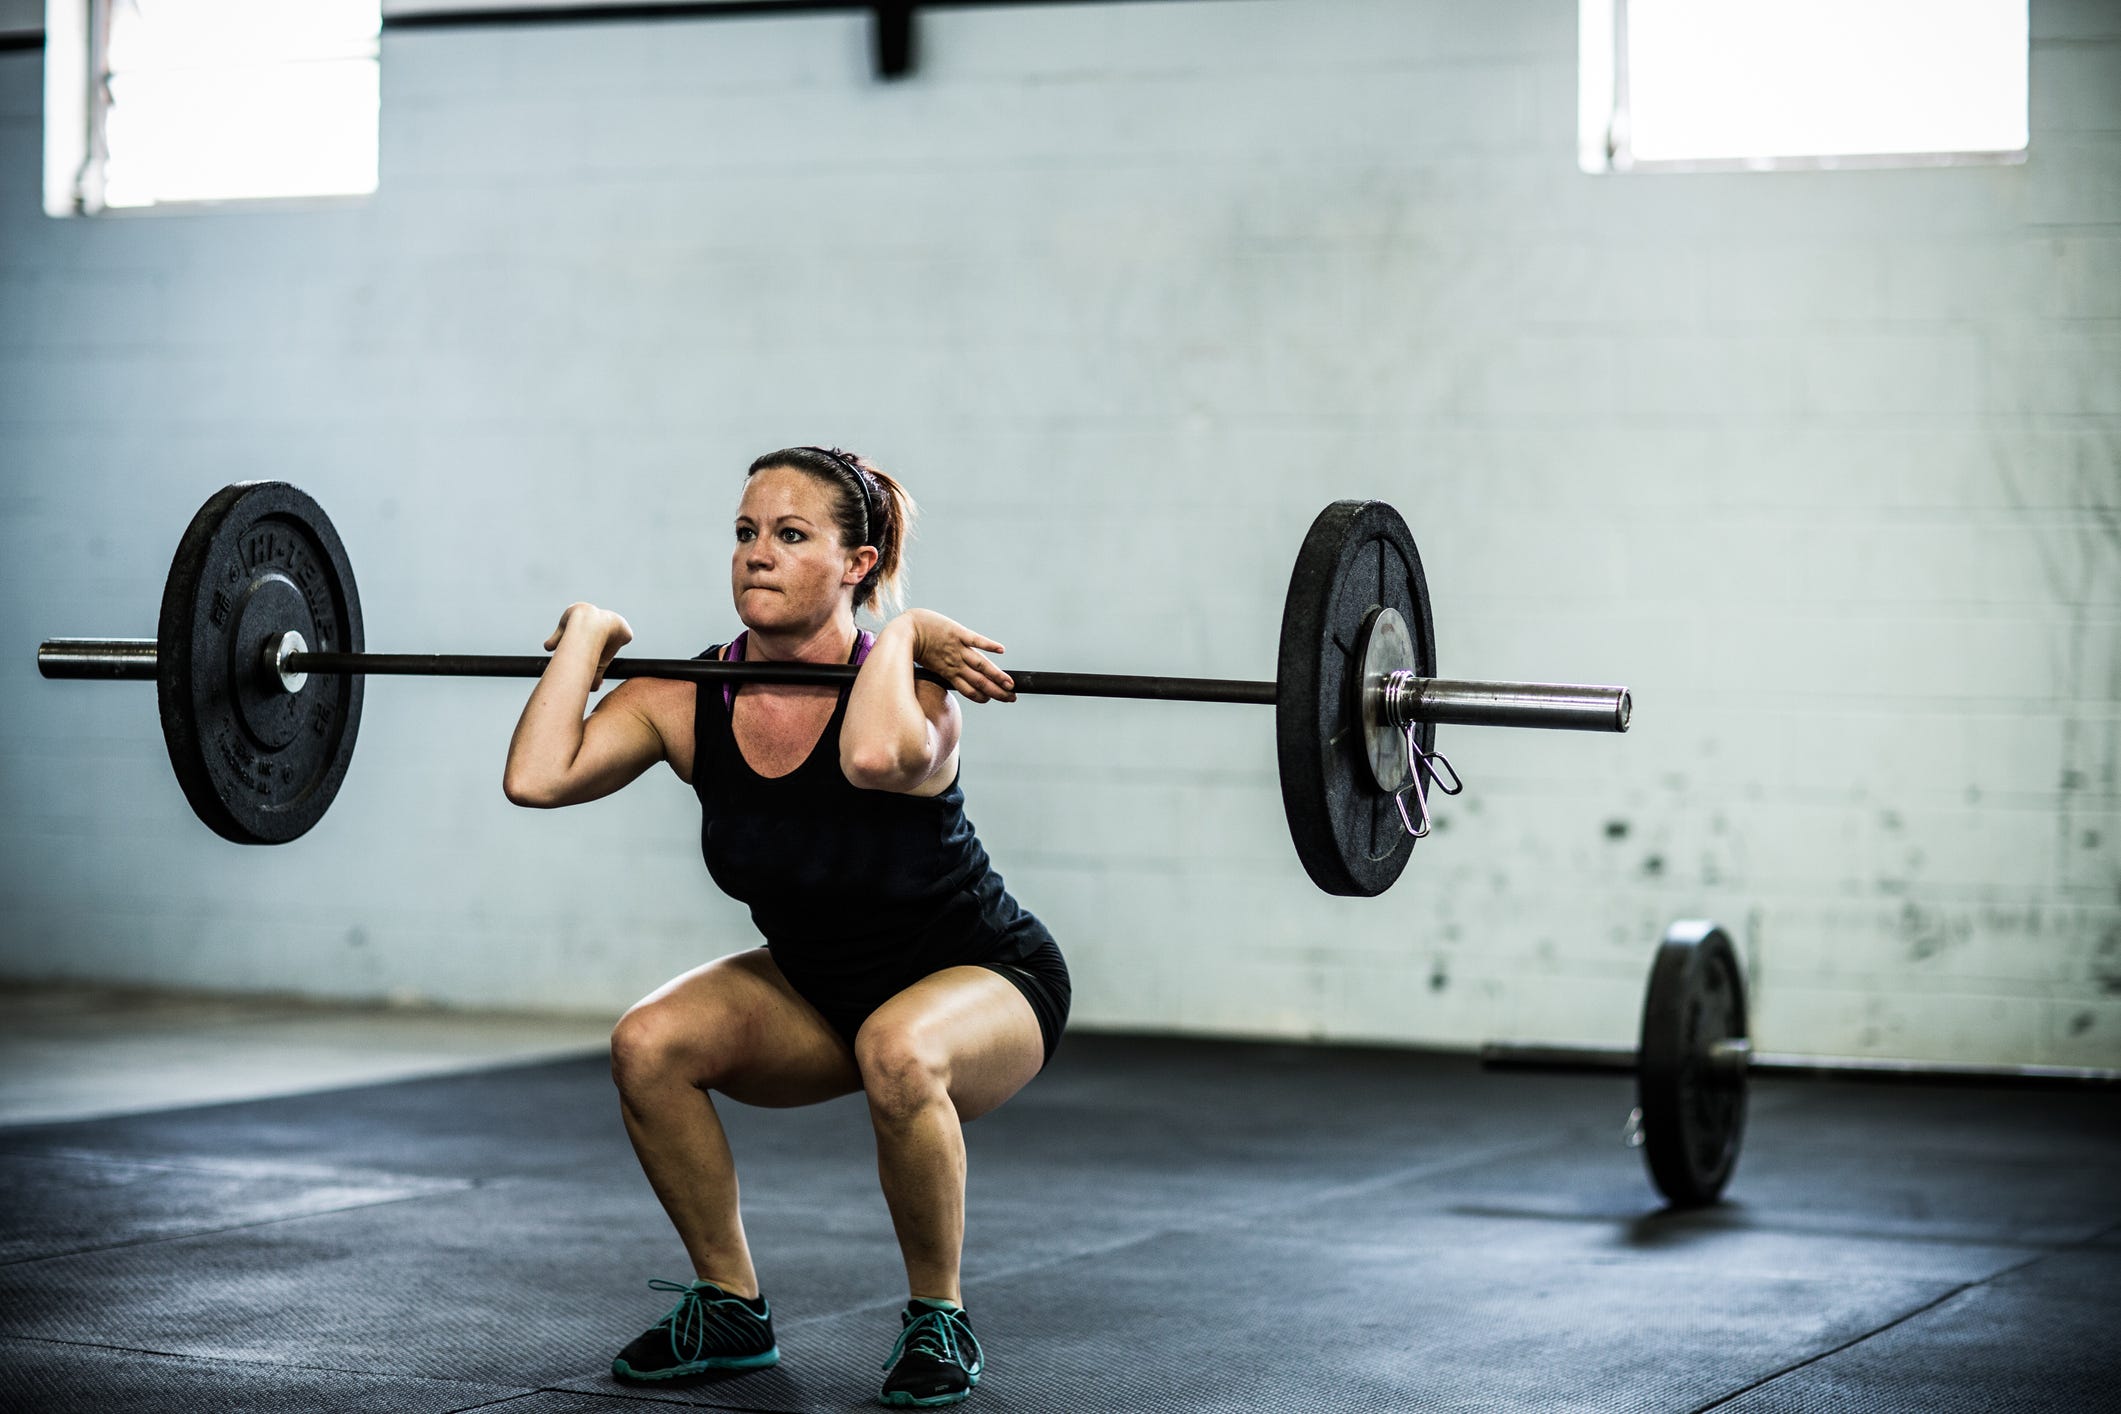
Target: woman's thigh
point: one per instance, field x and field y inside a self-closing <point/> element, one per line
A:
<point x="968" y="1024"/>
<point x="737" y="1026"/>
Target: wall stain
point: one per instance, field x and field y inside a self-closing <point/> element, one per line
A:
<point x="1927" y="932"/>
<point x="2082" y="1022"/>
<point x="1653" y="866"/>
<point x="2106" y="961"/>
<point x="1616" y="829"/>
<point x="1998" y="919"/>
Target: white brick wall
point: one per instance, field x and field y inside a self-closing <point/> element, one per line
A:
<point x="1827" y="466"/>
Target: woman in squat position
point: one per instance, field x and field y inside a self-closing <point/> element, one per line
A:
<point x="895" y="963"/>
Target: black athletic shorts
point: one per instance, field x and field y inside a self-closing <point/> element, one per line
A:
<point x="1041" y="977"/>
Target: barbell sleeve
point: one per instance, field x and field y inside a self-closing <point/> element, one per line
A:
<point x="1559" y="706"/>
<point x="1738" y="1054"/>
<point x="1564" y="706"/>
<point x="1915" y="1072"/>
<point x="104" y="659"/>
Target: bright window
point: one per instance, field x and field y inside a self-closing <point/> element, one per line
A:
<point x="184" y="101"/>
<point x="1762" y="84"/>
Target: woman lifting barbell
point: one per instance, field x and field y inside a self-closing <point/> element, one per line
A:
<point x="895" y="962"/>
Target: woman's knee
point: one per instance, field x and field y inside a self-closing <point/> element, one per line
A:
<point x="903" y="1067"/>
<point x="656" y="1044"/>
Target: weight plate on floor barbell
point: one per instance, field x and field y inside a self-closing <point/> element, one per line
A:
<point x="1383" y="649"/>
<point x="1358" y="557"/>
<point x="259" y="765"/>
<point x="1693" y="1104"/>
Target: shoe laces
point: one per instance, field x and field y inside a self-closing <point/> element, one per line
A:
<point x="935" y="1334"/>
<point x="693" y="1321"/>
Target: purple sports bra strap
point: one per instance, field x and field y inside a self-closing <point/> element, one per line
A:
<point x="734" y="653"/>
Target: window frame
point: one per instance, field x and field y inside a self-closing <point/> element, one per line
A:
<point x="1603" y="118"/>
<point x="76" y="108"/>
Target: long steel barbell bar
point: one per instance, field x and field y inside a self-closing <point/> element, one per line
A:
<point x="1735" y="1056"/>
<point x="1557" y="706"/>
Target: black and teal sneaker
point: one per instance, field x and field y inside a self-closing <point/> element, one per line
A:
<point x="937" y="1359"/>
<point x="708" y="1330"/>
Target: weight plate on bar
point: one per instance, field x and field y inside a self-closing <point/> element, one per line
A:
<point x="259" y="765"/>
<point x="1693" y="1109"/>
<point x="1359" y="556"/>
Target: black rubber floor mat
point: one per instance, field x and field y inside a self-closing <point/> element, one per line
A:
<point x="68" y="1201"/>
<point x="57" y="1378"/>
<point x="1205" y="1321"/>
<point x="2038" y="1338"/>
<point x="1154" y="1225"/>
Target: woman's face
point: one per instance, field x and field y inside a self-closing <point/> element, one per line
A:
<point x="789" y="570"/>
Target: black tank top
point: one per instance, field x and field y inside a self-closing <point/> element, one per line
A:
<point x="859" y="893"/>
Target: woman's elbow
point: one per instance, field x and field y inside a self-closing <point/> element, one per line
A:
<point x="525" y="790"/>
<point x="868" y="770"/>
<point x="878" y="768"/>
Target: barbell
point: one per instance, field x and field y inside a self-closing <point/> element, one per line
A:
<point x="258" y="662"/>
<point x="1696" y="1057"/>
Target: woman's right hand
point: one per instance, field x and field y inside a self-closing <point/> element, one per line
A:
<point x="558" y="758"/>
<point x="609" y="631"/>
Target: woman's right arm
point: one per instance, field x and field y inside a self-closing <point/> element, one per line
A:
<point x="557" y="758"/>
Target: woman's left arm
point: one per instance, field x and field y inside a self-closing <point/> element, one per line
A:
<point x="901" y="734"/>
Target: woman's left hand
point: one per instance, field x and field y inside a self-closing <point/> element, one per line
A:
<point x="958" y="656"/>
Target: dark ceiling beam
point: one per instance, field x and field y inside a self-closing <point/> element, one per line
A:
<point x="891" y="37"/>
<point x="891" y="22"/>
<point x="894" y="43"/>
<point x="893" y="34"/>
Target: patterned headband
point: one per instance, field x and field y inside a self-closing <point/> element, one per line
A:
<point x="871" y="493"/>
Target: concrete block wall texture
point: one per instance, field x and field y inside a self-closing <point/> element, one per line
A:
<point x="1827" y="466"/>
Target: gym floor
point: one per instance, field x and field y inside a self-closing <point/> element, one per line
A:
<point x="1155" y="1224"/>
